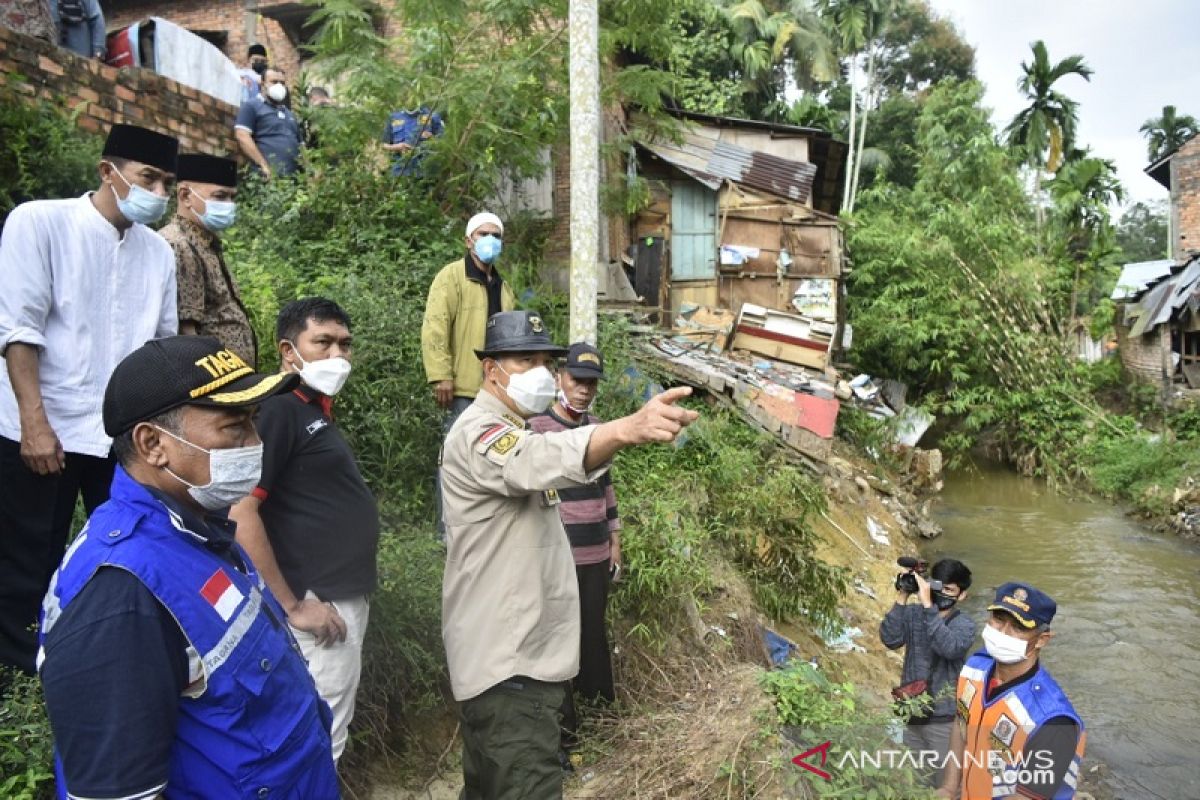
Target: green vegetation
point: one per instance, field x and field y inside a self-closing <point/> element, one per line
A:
<point x="813" y="709"/>
<point x="42" y="154"/>
<point x="26" y="747"/>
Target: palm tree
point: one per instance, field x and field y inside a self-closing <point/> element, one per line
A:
<point x="1165" y="134"/>
<point x="769" y="36"/>
<point x="1082" y="191"/>
<point x="1045" y="130"/>
<point x="857" y="25"/>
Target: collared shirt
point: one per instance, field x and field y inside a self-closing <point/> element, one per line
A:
<point x="320" y="516"/>
<point x="510" y="599"/>
<point x="208" y="297"/>
<point x="86" y="37"/>
<point x="275" y="130"/>
<point x="86" y="296"/>
<point x="410" y="127"/>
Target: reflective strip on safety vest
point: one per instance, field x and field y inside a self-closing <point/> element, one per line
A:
<point x="234" y="634"/>
<point x="1021" y="713"/>
<point x="973" y="674"/>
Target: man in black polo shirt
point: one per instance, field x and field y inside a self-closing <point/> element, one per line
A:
<point x="312" y="525"/>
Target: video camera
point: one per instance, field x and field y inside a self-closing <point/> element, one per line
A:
<point x="907" y="582"/>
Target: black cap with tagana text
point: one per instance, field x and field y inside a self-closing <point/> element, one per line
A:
<point x="1031" y="607"/>
<point x="517" y="332"/>
<point x="184" y="370"/>
<point x="143" y="145"/>
<point x="584" y="362"/>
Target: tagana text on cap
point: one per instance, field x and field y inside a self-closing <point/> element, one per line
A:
<point x="184" y="370"/>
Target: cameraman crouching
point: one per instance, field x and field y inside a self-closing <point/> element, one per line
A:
<point x="936" y="638"/>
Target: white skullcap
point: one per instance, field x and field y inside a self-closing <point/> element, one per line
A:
<point x="483" y="218"/>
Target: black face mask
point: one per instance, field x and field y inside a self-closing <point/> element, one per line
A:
<point x="259" y="66"/>
<point x="943" y="601"/>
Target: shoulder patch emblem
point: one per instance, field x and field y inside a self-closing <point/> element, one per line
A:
<point x="516" y="422"/>
<point x="505" y="443"/>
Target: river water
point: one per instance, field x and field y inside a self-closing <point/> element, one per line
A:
<point x="1127" y="643"/>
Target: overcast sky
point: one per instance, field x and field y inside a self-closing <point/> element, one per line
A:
<point x="1142" y="54"/>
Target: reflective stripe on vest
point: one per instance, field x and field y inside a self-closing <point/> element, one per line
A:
<point x="257" y="728"/>
<point x="995" y="733"/>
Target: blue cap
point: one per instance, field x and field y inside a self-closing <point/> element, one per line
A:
<point x="1031" y="607"/>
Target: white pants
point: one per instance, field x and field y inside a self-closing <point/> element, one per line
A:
<point x="337" y="668"/>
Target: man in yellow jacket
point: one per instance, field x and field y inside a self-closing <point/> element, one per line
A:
<point x="461" y="298"/>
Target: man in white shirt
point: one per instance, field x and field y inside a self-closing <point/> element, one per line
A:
<point x="85" y="284"/>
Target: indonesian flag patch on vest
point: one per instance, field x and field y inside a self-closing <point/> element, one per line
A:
<point x="221" y="594"/>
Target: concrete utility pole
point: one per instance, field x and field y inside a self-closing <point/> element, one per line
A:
<point x="584" y="23"/>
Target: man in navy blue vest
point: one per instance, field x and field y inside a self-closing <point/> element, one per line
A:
<point x="167" y="664"/>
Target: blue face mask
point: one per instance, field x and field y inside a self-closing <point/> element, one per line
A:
<point x="139" y="205"/>
<point x="218" y="214"/>
<point x="487" y="248"/>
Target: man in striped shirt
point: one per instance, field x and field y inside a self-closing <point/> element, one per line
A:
<point x="589" y="514"/>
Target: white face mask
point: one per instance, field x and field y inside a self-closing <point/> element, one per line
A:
<point x="233" y="472"/>
<point x="532" y="391"/>
<point x="277" y="92"/>
<point x="327" y="376"/>
<point x="1001" y="646"/>
<point x="579" y="412"/>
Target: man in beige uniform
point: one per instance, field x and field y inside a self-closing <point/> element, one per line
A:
<point x="510" y="602"/>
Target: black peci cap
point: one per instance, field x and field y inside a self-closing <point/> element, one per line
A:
<point x="256" y="49"/>
<point x="183" y="370"/>
<point x="584" y="362"/>
<point x="517" y="332"/>
<point x="207" y="169"/>
<point x="142" y="145"/>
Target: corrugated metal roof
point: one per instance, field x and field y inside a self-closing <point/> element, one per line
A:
<point x="711" y="161"/>
<point x="1137" y="276"/>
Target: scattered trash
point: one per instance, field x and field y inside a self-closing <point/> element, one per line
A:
<point x="879" y="534"/>
<point x="718" y="630"/>
<point x="844" y="641"/>
<point x="779" y="648"/>
<point x="862" y="588"/>
<point x="911" y="425"/>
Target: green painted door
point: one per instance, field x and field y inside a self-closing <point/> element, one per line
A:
<point x="693" y="231"/>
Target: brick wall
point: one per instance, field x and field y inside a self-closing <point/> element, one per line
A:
<point x="217" y="16"/>
<point x="1143" y="356"/>
<point x="103" y="95"/>
<point x="1185" y="200"/>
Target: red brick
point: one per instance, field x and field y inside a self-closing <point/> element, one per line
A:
<point x="89" y="124"/>
<point x="126" y="94"/>
<point x="46" y="64"/>
<point x="133" y="112"/>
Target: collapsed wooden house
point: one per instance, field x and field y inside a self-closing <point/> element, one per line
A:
<point x="743" y="216"/>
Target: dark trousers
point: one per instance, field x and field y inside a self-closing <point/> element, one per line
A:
<point x="35" y="518"/>
<point x="510" y="742"/>
<point x="595" y="679"/>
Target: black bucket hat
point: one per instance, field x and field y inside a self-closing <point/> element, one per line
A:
<point x="178" y="371"/>
<point x="517" y="332"/>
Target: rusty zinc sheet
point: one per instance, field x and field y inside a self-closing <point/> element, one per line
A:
<point x="712" y="161"/>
